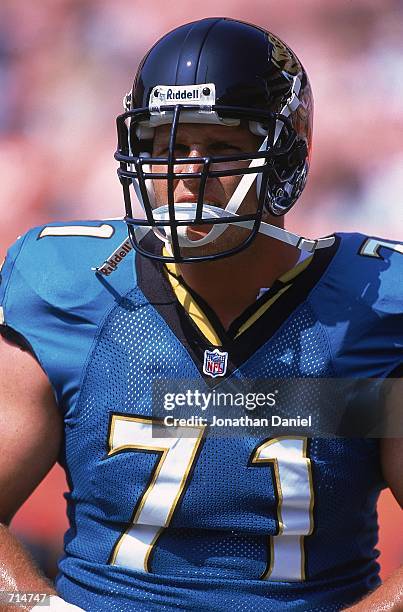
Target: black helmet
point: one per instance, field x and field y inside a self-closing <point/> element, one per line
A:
<point x="216" y="71"/>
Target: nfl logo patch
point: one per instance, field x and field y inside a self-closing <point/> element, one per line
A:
<point x="215" y="363"/>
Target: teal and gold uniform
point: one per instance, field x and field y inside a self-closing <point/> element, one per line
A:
<point x="204" y="522"/>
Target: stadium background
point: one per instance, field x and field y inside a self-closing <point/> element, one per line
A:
<point x="64" y="67"/>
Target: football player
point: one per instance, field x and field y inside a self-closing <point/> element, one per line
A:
<point x="207" y="287"/>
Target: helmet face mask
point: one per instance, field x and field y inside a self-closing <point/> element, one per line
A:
<point x="268" y="103"/>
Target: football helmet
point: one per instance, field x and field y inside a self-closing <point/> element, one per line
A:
<point x="223" y="72"/>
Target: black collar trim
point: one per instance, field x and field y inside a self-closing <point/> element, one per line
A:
<point x="155" y="285"/>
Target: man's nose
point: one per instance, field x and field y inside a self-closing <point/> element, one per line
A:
<point x="194" y="166"/>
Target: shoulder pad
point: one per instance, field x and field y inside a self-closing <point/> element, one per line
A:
<point x="370" y="269"/>
<point x="360" y="302"/>
<point x="50" y="287"/>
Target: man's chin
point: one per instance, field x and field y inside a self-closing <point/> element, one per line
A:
<point x="231" y="238"/>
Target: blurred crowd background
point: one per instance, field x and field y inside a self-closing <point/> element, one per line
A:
<point x="64" y="68"/>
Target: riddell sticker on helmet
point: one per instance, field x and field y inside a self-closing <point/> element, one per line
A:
<point x="183" y="95"/>
<point x="163" y="95"/>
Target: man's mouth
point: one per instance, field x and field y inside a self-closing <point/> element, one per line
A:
<point x="197" y="232"/>
<point x="190" y="199"/>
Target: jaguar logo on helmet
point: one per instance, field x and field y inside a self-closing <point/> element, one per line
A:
<point x="283" y="57"/>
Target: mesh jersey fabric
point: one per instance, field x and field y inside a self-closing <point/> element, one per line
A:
<point x="216" y="547"/>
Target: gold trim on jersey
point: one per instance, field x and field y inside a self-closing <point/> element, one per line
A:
<point x="159" y="465"/>
<point x="296" y="270"/>
<point x="288" y="277"/>
<point x="200" y="318"/>
<point x="260" y="311"/>
<point x="257" y="459"/>
<point x="191" y="306"/>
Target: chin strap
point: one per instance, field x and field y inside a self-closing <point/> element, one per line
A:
<point x="304" y="244"/>
<point x="187" y="212"/>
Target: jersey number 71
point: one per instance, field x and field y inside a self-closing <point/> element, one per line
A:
<point x="171" y="474"/>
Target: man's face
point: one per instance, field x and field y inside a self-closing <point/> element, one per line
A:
<point x="195" y="140"/>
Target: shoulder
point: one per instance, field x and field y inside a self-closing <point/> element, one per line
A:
<point x="361" y="248"/>
<point x="359" y="301"/>
<point x="368" y="270"/>
<point x="81" y="241"/>
<point x="52" y="298"/>
<point x="51" y="272"/>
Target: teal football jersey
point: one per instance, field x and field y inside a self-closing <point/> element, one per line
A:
<point x="205" y="522"/>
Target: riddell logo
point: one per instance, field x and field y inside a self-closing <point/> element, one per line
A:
<point x="114" y="260"/>
<point x="202" y="95"/>
<point x="193" y="94"/>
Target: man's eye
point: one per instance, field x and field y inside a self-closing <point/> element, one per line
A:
<point x="180" y="150"/>
<point x="222" y="148"/>
<point x="160" y="151"/>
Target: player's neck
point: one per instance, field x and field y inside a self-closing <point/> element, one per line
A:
<point x="231" y="284"/>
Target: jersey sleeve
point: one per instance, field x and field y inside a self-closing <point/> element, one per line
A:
<point x="360" y="303"/>
<point x="10" y="287"/>
<point x="52" y="302"/>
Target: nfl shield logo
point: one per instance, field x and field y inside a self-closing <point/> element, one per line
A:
<point x="215" y="363"/>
